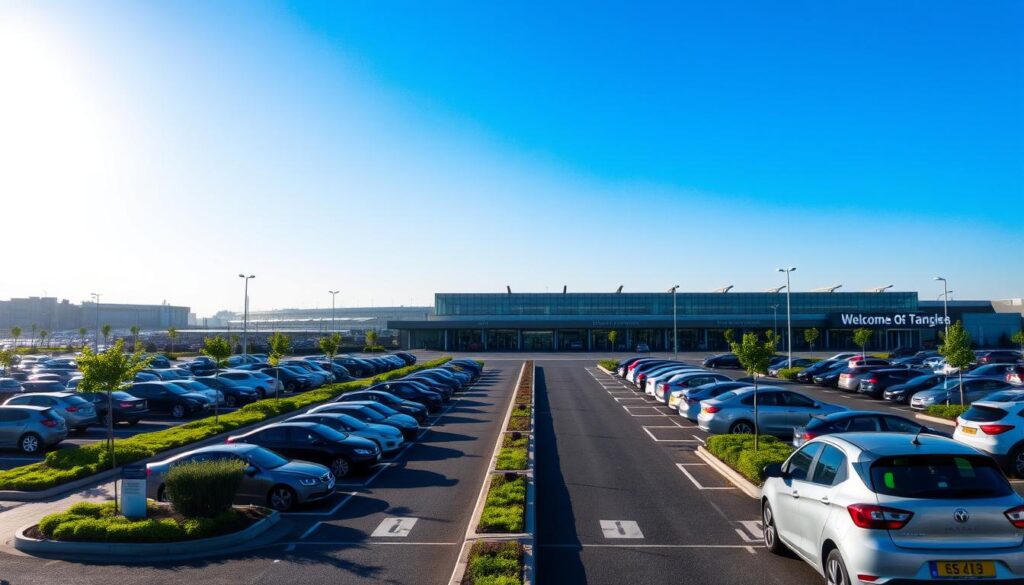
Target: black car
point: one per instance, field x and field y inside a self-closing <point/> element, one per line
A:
<point x="999" y="356"/>
<point x="158" y="361"/>
<point x="201" y="366"/>
<point x="343" y="454"/>
<point x="42" y="386"/>
<point x="413" y="409"/>
<point x="419" y="384"/>
<point x="722" y="360"/>
<point x="357" y="367"/>
<point x="372" y="415"/>
<point x="169" y="398"/>
<point x="433" y="401"/>
<point x="340" y="373"/>
<point x="234" y="395"/>
<point x="806" y="375"/>
<point x="902" y="393"/>
<point x="435" y="381"/>
<point x="830" y="377"/>
<point x="290" y="379"/>
<point x="127" y="408"/>
<point x="875" y="383"/>
<point x="408" y="358"/>
<point x="902" y="352"/>
<point x="852" y="421"/>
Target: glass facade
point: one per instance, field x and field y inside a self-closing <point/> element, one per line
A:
<point x="634" y="304"/>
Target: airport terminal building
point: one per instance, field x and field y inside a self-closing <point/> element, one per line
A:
<point x="583" y="321"/>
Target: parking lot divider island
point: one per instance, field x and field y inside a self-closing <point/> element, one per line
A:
<point x="66" y="465"/>
<point x="737" y="451"/>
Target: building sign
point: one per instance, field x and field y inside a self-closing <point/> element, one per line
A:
<point x="888" y="321"/>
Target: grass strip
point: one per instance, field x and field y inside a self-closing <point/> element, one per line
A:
<point x="946" y="411"/>
<point x="610" y="365"/>
<point x="494" y="563"/>
<point x="737" y="451"/>
<point x="514" y="452"/>
<point x="64" y="465"/>
<point x="88" y="522"/>
<point x="505" y="505"/>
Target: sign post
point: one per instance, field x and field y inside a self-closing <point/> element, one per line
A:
<point x="133" y="491"/>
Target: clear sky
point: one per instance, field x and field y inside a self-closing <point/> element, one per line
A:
<point x="151" y="151"/>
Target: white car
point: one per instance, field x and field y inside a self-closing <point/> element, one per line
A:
<point x="651" y="382"/>
<point x="894" y="508"/>
<point x="692" y="379"/>
<point x="995" y="428"/>
<point x="263" y="384"/>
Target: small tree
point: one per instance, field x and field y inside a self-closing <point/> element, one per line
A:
<point x="329" y="345"/>
<point x="15" y="333"/>
<point x="32" y="342"/>
<point x="42" y="337"/>
<point x="219" y="351"/>
<point x="613" y="336"/>
<point x="234" y="343"/>
<point x="810" y="336"/>
<point x="729" y="336"/>
<point x="371" y="339"/>
<point x="280" y="344"/>
<point x="7" y="358"/>
<point x="105" y="330"/>
<point x="81" y="333"/>
<point x="1018" y="338"/>
<point x="861" y="337"/>
<point x="755" y="355"/>
<point x="172" y="334"/>
<point x="956" y="348"/>
<point x="107" y="371"/>
<point x="135" y="337"/>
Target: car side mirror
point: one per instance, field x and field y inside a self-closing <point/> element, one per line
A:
<point x="251" y="470"/>
<point x="774" y="470"/>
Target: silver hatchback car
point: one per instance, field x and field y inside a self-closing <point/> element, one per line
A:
<point x="78" y="412"/>
<point x="895" y="508"/>
<point x="778" y="411"/>
<point x="30" y="429"/>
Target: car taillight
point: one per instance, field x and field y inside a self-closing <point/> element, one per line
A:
<point x="711" y="409"/>
<point x="878" y="517"/>
<point x="72" y="409"/>
<point x="995" y="429"/>
<point x="126" y="405"/>
<point x="149" y="471"/>
<point x="49" y="422"/>
<point x="872" y="380"/>
<point x="808" y="436"/>
<point x="1015" y="516"/>
<point x="230" y="440"/>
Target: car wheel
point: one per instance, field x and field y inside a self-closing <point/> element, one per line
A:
<point x="179" y="411"/>
<point x="1017" y="461"/>
<point x="835" y="569"/>
<point x="290" y="387"/>
<point x="281" y="498"/>
<point x="230" y="401"/>
<point x="341" y="467"/>
<point x="30" y="444"/>
<point x="742" y="427"/>
<point x="771" y="535"/>
<point x="262" y="393"/>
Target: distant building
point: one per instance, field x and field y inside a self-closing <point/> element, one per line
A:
<point x="52" y="315"/>
<point x="355" y="320"/>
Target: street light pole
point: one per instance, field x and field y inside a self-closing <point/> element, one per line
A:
<point x="945" y="303"/>
<point x="789" y="317"/>
<point x="675" y="328"/>
<point x="96" y="343"/>
<point x="775" y="319"/>
<point x="245" y="314"/>
<point x="333" y="292"/>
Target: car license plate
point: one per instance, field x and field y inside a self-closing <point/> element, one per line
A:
<point x="963" y="569"/>
<point x="970" y="431"/>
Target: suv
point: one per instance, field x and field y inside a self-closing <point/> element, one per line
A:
<point x="997" y="428"/>
<point x="30" y="428"/>
<point x="888" y="508"/>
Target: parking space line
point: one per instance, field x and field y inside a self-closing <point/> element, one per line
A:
<point x="639" y="545"/>
<point x="657" y="440"/>
<point x="310" y="531"/>
<point x="694" y="481"/>
<point x="292" y="545"/>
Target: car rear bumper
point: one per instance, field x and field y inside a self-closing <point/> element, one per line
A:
<point x="894" y="565"/>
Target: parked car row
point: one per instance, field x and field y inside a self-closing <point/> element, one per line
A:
<point x="299" y="460"/>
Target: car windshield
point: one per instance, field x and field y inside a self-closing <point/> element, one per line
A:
<point x="174" y="389"/>
<point x="371" y="414"/>
<point x="939" y="477"/>
<point x="383" y="409"/>
<point x="330" y="434"/>
<point x="725" y="396"/>
<point x="265" y="459"/>
<point x="122" y="396"/>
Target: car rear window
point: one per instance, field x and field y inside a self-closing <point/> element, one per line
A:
<point x="979" y="413"/>
<point x="939" y="477"/>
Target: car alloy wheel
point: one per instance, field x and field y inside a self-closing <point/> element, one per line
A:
<point x="178" y="411"/>
<point x="29" y="443"/>
<point x="741" y="428"/>
<point x="770" y="532"/>
<point x="340" y="467"/>
<point x="1018" y="462"/>
<point x="835" y="569"/>
<point x="282" y="498"/>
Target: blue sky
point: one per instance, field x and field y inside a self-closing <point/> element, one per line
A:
<point x="396" y="150"/>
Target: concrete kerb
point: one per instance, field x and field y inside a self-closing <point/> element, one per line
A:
<point x="741" y="483"/>
<point x="526" y="538"/>
<point x="118" y="552"/>
<point x="602" y="368"/>
<point x="935" y="420"/>
<point x="103" y="477"/>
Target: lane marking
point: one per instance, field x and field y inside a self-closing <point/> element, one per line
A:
<point x="292" y="545"/>
<point x="311" y="530"/>
<point x="394" y="527"/>
<point x="694" y="481"/>
<point x="657" y="440"/>
<point x="621" y="529"/>
<point x="750" y="530"/>
<point x="737" y="546"/>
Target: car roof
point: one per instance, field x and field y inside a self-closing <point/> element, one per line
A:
<point x="885" y="444"/>
<point x="67" y="394"/>
<point x="25" y="407"/>
<point x="994" y="404"/>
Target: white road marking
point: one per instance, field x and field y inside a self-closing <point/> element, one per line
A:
<point x="657" y="440"/>
<point x="694" y="481"/>
<point x="750" y="530"/>
<point x="394" y="527"/>
<point x="742" y="546"/>
<point x="621" y="529"/>
<point x="311" y="530"/>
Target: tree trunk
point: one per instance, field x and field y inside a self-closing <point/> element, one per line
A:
<point x="757" y="427"/>
<point x="960" y="372"/>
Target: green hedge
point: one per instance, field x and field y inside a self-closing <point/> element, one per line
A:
<point x="737" y="451"/>
<point x="610" y="365"/>
<point x="947" y="411"/>
<point x="64" y="465"/>
<point x="513" y="454"/>
<point x="204" y="489"/>
<point x="99" y="522"/>
<point x="789" y="373"/>
<point x="494" y="563"/>
<point x="505" y="505"/>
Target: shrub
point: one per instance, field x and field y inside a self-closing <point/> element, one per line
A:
<point x="610" y="365"/>
<point x="505" y="504"/>
<point x="737" y="451"/>
<point x="789" y="373"/>
<point x="204" y="488"/>
<point x="519" y="423"/>
<point x="100" y="522"/>
<point x="947" y="411"/>
<point x="513" y="454"/>
<point x="495" y="563"/>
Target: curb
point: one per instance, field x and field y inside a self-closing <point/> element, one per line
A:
<point x="741" y="483"/>
<point x="600" y="367"/>
<point x="145" y="552"/>
<point x="110" y="474"/>
<point x="935" y="419"/>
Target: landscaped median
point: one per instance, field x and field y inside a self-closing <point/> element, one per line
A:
<point x="609" y="365"/>
<point x="734" y="457"/>
<point x="67" y="465"/>
<point x="942" y="414"/>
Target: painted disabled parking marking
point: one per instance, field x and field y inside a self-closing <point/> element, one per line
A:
<point x="621" y="529"/>
<point x="394" y="527"/>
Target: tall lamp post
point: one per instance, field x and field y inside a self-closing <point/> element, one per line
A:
<point x="333" y="293"/>
<point x="675" y="330"/>
<point x="789" y="317"/>
<point x="945" y="302"/>
<point x="245" y="314"/>
<point x="775" y="319"/>
<point x="96" y="342"/>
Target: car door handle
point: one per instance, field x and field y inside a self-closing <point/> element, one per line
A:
<point x="824" y="500"/>
<point x="795" y="494"/>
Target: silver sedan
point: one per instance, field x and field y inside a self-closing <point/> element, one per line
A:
<point x="778" y="411"/>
